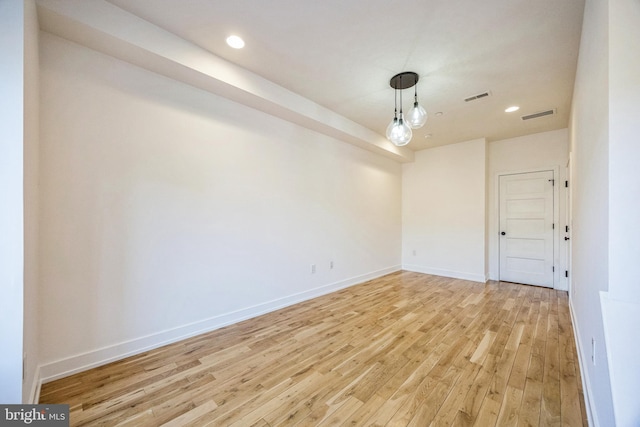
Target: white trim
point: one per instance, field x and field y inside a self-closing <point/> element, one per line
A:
<point x="557" y="283"/>
<point x="36" y="385"/>
<point x="91" y="359"/>
<point x="567" y="219"/>
<point x="445" y="273"/>
<point x="592" y="416"/>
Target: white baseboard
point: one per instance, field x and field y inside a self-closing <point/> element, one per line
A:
<point x="446" y="273"/>
<point x="101" y="356"/>
<point x="584" y="373"/>
<point x="34" y="394"/>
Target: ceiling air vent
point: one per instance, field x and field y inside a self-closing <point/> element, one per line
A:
<point x="478" y="96"/>
<point x="539" y="114"/>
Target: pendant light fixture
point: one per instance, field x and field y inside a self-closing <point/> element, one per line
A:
<point x="399" y="131"/>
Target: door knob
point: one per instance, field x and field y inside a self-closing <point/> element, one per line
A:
<point x="566" y="238"/>
<point x="503" y="233"/>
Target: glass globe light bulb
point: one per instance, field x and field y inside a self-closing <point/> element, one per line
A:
<point x="417" y="116"/>
<point x="401" y="133"/>
<point x="390" y="127"/>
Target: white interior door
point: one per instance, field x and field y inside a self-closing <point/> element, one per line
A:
<point x="526" y="228"/>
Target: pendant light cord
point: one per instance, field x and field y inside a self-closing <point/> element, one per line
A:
<point x="395" y="100"/>
<point x="400" y="98"/>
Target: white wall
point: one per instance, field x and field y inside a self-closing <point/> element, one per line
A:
<point x="443" y="211"/>
<point x="19" y="200"/>
<point x="605" y="297"/>
<point x="11" y="211"/>
<point x="621" y="306"/>
<point x="538" y="151"/>
<point x="167" y="210"/>
<point x="31" y="195"/>
<point x="624" y="150"/>
<point x="590" y="216"/>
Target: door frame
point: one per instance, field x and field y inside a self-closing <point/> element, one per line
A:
<point x="569" y="224"/>
<point x="558" y="181"/>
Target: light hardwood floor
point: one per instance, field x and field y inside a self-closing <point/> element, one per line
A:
<point x="406" y="349"/>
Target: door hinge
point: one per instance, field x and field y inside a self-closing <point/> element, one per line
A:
<point x="553" y="268"/>
<point x="566" y="273"/>
<point x="553" y="226"/>
<point x="566" y="184"/>
<point x="566" y="228"/>
<point x="553" y="182"/>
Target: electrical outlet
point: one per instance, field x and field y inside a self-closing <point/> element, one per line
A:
<point x="414" y="252"/>
<point x="313" y="268"/>
<point x="593" y="351"/>
<point x="331" y="265"/>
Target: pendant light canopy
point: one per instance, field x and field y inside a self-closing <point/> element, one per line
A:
<point x="399" y="131"/>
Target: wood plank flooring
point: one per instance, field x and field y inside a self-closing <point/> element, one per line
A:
<point x="407" y="349"/>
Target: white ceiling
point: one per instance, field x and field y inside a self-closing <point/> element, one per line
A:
<point x="342" y="53"/>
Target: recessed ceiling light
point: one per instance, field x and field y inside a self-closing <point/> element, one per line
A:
<point x="235" y="42"/>
<point x="439" y="113"/>
<point x="512" y="109"/>
<point x="428" y="135"/>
